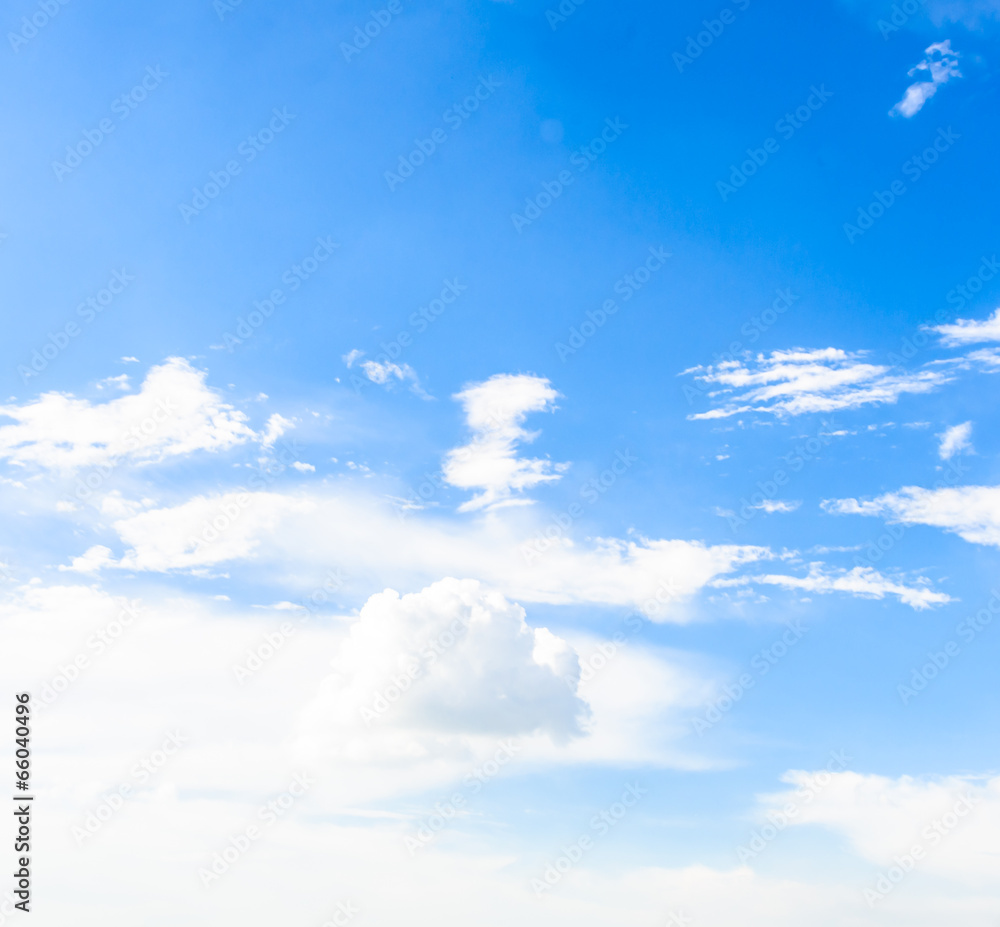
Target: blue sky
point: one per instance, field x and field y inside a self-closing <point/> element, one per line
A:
<point x="559" y="331"/>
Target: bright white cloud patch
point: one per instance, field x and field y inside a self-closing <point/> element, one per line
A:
<point x="454" y="660"/>
<point x="173" y="414"/>
<point x="940" y="65"/>
<point x="495" y="411"/>
<point x="971" y="512"/>
<point x="799" y="381"/>
<point x="364" y="537"/>
<point x="955" y="440"/>
<point x="954" y="820"/>
<point x="863" y="582"/>
<point x="970" y="331"/>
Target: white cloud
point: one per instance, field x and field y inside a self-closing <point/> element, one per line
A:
<point x="971" y="512"/>
<point x="286" y="534"/>
<point x="363" y="535"/>
<point x="176" y="658"/>
<point x="955" y="440"/>
<point x="799" y="381"/>
<point x="454" y="660"/>
<point x="174" y="413"/>
<point x="970" y="331"/>
<point x="120" y="382"/>
<point x="495" y="411"/>
<point x="776" y="505"/>
<point x="276" y="426"/>
<point x="988" y="359"/>
<point x="91" y="561"/>
<point x="303" y="467"/>
<point x="386" y="373"/>
<point x="863" y="582"/>
<point x="884" y="818"/>
<point x="203" y="531"/>
<point x="941" y="65"/>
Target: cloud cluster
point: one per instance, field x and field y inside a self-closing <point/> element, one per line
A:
<point x="173" y="414"/>
<point x="798" y="381"/>
<point x="863" y="582"/>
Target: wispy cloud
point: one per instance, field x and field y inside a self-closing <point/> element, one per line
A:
<point x="863" y="582"/>
<point x="971" y="512"/>
<point x="386" y="373"/>
<point x="970" y="331"/>
<point x="941" y="65"/>
<point x="802" y="380"/>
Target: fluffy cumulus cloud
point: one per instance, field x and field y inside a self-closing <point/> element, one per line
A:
<point x="495" y="411"/>
<point x="940" y="65"/>
<point x="971" y="512"/>
<point x="174" y="414"/>
<point x="970" y="331"/>
<point x="456" y="660"/>
<point x="863" y="582"/>
<point x="798" y="381"/>
<point x="955" y="440"/>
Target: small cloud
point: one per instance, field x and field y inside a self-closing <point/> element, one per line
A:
<point x="955" y="441"/>
<point x="800" y="381"/>
<point x="941" y="65"/>
<point x="276" y="426"/>
<point x="91" y="561"/>
<point x="130" y="360"/>
<point x="385" y="373"/>
<point x="351" y="356"/>
<point x="119" y="382"/>
<point x="775" y="505"/>
<point x="303" y="467"/>
<point x="221" y="598"/>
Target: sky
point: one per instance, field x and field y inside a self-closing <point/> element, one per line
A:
<point x="503" y="462"/>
